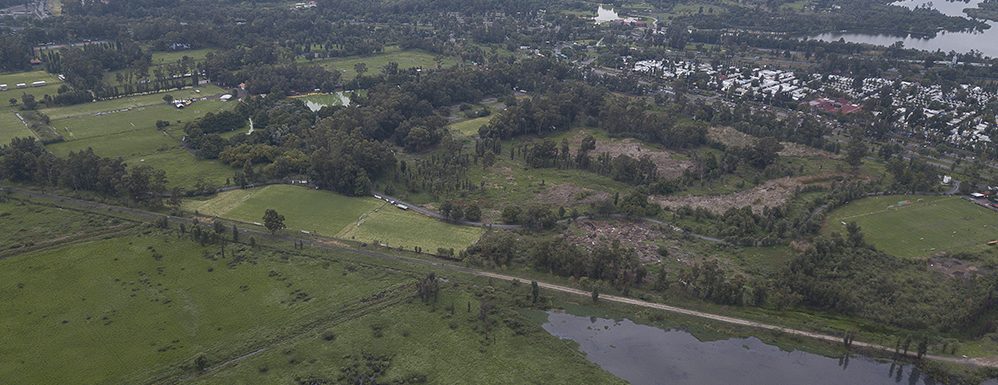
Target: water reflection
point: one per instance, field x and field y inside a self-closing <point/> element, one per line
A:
<point x="985" y="41"/>
<point x="645" y="355"/>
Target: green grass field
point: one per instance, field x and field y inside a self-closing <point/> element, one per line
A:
<point x="126" y="128"/>
<point x="171" y="57"/>
<point x="363" y="219"/>
<point x="11" y="79"/>
<point x="128" y="102"/>
<point x="26" y="225"/>
<point x="126" y="310"/>
<point x="11" y="127"/>
<point x="404" y="58"/>
<point x="922" y="227"/>
<point x="424" y="339"/>
<point x="318" y="211"/>
<point x="469" y="128"/>
<point x="397" y="228"/>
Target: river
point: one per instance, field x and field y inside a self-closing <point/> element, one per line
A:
<point x="984" y="41"/>
<point x="645" y="355"/>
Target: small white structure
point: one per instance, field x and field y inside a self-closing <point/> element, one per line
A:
<point x="977" y="195"/>
<point x="225" y="97"/>
<point x="947" y="179"/>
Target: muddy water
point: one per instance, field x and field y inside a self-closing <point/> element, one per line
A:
<point x="644" y="355"/>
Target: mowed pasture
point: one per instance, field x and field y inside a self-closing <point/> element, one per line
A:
<point x="469" y="128"/>
<point x="11" y="127"/>
<point x="362" y="219"/>
<point x="135" y="308"/>
<point x="393" y="227"/>
<point x="51" y="86"/>
<point x="126" y="128"/>
<point x="918" y="226"/>
<point x="405" y="59"/>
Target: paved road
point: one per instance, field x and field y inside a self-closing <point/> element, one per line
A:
<point x="332" y="245"/>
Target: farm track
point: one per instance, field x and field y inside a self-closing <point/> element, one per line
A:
<point x="377" y="302"/>
<point x="67" y="240"/>
<point x="323" y="243"/>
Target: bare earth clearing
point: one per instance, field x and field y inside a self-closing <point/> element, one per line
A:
<point x="733" y="138"/>
<point x="772" y="193"/>
<point x="668" y="166"/>
<point x="640" y="236"/>
<point x="570" y="194"/>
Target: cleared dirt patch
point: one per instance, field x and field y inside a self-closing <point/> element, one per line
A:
<point x="640" y="236"/>
<point x="772" y="193"/>
<point x="733" y="138"/>
<point x="669" y="167"/>
<point x="955" y="268"/>
<point x="570" y="194"/>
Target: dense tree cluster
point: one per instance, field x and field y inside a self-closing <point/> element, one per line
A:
<point x="25" y="160"/>
<point x="846" y="275"/>
<point x="608" y="261"/>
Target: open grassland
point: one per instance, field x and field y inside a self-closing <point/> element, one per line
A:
<point x="318" y="211"/>
<point x="363" y="219"/>
<point x="405" y="59"/>
<point x="171" y="57"/>
<point x="133" y="120"/>
<point x="424" y="340"/>
<point x="26" y="225"/>
<point x="134" y="308"/>
<point x="918" y="226"/>
<point x="126" y="128"/>
<point x="397" y="228"/>
<point x="128" y="102"/>
<point x="11" y="79"/>
<point x="11" y="127"/>
<point x="469" y="128"/>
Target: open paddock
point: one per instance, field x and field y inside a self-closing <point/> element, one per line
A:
<point x="918" y="226"/>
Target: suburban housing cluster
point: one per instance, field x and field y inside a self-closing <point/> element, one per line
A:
<point x="947" y="113"/>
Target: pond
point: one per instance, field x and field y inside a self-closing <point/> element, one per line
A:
<point x="645" y="355"/>
<point x="985" y="41"/>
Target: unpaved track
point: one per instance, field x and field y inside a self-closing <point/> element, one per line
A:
<point x="97" y="207"/>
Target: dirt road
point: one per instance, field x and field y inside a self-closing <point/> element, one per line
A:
<point x="331" y="245"/>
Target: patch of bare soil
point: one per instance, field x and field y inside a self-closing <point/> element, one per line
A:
<point x="733" y="138"/>
<point x="569" y="194"/>
<point x="668" y="166"/>
<point x="772" y="193"/>
<point x="640" y="236"/>
<point x="954" y="267"/>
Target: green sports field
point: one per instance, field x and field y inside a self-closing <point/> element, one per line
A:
<point x="919" y="226"/>
<point x="362" y="219"/>
<point x="404" y="58"/>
